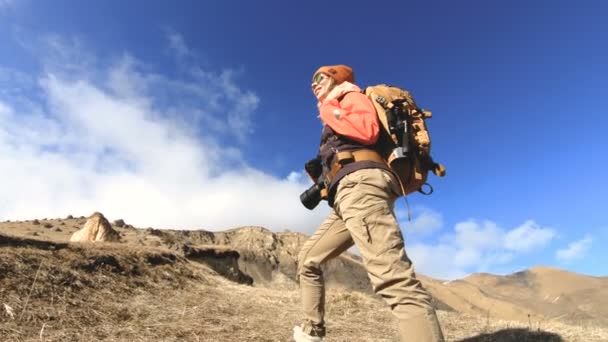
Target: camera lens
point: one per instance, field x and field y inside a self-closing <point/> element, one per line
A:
<point x="311" y="197"/>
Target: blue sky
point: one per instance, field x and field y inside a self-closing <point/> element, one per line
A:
<point x="199" y="114"/>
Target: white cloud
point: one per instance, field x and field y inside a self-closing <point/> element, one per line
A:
<point x="575" y="250"/>
<point x="297" y="177"/>
<point x="476" y="246"/>
<point x="528" y="236"/>
<point x="425" y="221"/>
<point x="133" y="144"/>
<point x="434" y="260"/>
<point x="177" y="44"/>
<point x="481" y="236"/>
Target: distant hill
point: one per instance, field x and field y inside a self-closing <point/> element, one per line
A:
<point x="242" y="279"/>
<point x="551" y="293"/>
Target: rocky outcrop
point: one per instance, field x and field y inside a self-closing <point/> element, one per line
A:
<point x="265" y="255"/>
<point x="97" y="228"/>
<point x="221" y="259"/>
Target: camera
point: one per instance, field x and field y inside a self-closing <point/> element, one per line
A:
<point x="314" y="168"/>
<point x="311" y="197"/>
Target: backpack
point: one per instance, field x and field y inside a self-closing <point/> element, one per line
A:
<point x="404" y="140"/>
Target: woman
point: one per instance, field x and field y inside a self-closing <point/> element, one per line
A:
<point x="361" y="190"/>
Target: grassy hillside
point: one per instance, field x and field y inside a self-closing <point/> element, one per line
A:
<point x="215" y="287"/>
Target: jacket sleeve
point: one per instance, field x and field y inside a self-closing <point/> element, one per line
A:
<point x="353" y="117"/>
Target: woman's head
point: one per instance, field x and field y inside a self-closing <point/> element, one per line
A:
<point x="327" y="77"/>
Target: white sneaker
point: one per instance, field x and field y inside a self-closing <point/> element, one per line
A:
<point x="301" y="336"/>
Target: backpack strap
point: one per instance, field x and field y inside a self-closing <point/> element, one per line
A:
<point x="339" y="98"/>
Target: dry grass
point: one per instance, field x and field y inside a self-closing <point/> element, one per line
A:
<point x="78" y="292"/>
<point x="107" y="293"/>
<point x="122" y="292"/>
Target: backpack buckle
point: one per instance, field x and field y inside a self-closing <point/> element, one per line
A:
<point x="345" y="157"/>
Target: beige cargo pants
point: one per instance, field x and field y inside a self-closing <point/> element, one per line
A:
<point x="363" y="215"/>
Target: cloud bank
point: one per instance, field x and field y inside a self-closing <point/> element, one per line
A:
<point x="136" y="144"/>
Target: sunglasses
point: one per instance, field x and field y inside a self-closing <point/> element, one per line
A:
<point x="320" y="77"/>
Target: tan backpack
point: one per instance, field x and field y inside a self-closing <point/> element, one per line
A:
<point x="404" y="142"/>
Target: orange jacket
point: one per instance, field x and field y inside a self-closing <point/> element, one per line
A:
<point x="354" y="117"/>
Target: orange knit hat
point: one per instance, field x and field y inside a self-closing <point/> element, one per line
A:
<point x="340" y="73"/>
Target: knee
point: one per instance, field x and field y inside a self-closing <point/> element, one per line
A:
<point x="308" y="267"/>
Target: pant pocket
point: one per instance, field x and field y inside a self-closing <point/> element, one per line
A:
<point x="381" y="230"/>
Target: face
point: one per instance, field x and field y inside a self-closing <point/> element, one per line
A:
<point x="321" y="85"/>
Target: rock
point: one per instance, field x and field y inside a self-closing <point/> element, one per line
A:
<point x="70" y="217"/>
<point x="96" y="228"/>
<point x="48" y="225"/>
<point x="119" y="223"/>
<point x="36" y="222"/>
